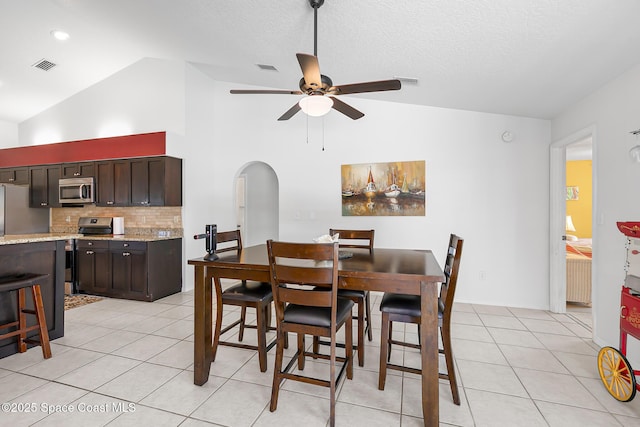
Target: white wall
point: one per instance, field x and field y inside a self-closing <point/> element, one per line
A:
<point x="8" y="134"/>
<point x="492" y="193"/>
<point x="613" y="110"/>
<point x="148" y="96"/>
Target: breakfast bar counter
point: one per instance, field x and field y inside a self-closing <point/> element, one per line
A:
<point x="36" y="237"/>
<point x="34" y="253"/>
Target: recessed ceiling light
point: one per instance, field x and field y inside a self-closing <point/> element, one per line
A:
<point x="60" y="35"/>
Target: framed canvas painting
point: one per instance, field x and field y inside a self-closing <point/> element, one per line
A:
<point x="384" y="189"/>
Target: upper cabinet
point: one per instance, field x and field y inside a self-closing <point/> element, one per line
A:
<point x="78" y="170"/>
<point x="18" y="176"/>
<point x="156" y="181"/>
<point x="145" y="181"/>
<point x="113" y="181"/>
<point x="43" y="189"/>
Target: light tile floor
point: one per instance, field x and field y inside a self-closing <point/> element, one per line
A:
<point x="125" y="363"/>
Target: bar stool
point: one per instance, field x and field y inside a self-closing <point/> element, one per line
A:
<point x="20" y="282"/>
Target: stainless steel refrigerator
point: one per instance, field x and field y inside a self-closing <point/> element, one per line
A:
<point x="16" y="217"/>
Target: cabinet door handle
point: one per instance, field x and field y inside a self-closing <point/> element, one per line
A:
<point x="11" y="179"/>
<point x="43" y="203"/>
<point x="110" y="202"/>
<point x="90" y="252"/>
<point x="126" y="253"/>
<point x="126" y="245"/>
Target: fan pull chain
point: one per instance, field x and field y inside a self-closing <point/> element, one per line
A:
<point x="322" y="133"/>
<point x="307" y="129"/>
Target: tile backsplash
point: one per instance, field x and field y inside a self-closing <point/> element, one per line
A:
<point x="142" y="221"/>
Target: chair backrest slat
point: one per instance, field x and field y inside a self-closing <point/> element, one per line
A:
<point x="304" y="275"/>
<point x="313" y="298"/>
<point x="354" y="238"/>
<point x="451" y="267"/>
<point x="229" y="240"/>
<point x="313" y="265"/>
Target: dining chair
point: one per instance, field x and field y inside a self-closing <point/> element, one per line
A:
<point x="304" y="280"/>
<point x="252" y="294"/>
<point x="406" y="309"/>
<point x="362" y="239"/>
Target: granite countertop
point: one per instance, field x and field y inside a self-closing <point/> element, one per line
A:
<point x="45" y="237"/>
<point x="12" y="239"/>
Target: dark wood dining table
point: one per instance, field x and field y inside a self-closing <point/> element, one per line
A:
<point x="405" y="271"/>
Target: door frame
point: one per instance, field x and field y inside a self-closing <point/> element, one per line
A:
<point x="557" y="212"/>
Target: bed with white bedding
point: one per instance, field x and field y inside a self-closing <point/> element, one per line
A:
<point x="579" y="271"/>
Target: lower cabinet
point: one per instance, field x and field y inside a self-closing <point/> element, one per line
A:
<point x="94" y="267"/>
<point x="140" y="270"/>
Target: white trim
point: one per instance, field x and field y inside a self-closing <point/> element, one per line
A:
<point x="557" y="216"/>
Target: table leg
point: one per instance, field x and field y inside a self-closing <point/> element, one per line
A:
<point x="202" y="350"/>
<point x="429" y="350"/>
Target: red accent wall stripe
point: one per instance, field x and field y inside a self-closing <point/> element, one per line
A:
<point x="117" y="147"/>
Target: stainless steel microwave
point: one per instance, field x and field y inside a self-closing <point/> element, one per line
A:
<point x="76" y="190"/>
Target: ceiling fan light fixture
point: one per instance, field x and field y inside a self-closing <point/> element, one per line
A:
<point x="60" y="35"/>
<point x="316" y="105"/>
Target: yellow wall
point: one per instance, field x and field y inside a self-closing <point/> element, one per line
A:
<point x="579" y="175"/>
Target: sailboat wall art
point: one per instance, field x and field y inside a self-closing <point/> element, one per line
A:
<point x="384" y="189"/>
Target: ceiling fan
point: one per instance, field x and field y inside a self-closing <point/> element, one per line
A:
<point x="320" y="91"/>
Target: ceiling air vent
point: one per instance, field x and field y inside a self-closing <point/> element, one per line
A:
<point x="43" y="64"/>
<point x="267" y="67"/>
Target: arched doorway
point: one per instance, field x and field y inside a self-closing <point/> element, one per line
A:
<point x="257" y="203"/>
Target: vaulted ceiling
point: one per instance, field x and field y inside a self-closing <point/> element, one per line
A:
<point x="531" y="58"/>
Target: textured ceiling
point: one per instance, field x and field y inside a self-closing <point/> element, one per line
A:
<point x="522" y="57"/>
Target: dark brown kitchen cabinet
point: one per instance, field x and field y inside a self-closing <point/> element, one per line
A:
<point x="18" y="176"/>
<point x="113" y="182"/>
<point x="43" y="186"/>
<point x="156" y="181"/>
<point x="78" y="170"/>
<point x="139" y="270"/>
<point x="93" y="266"/>
<point x="129" y="269"/>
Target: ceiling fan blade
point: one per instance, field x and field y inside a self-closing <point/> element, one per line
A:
<point x="346" y="109"/>
<point x="310" y="70"/>
<point x="270" y="92"/>
<point x="290" y="112"/>
<point x="378" y="86"/>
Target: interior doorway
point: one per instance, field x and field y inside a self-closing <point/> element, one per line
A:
<point x="257" y="203"/>
<point x="558" y="215"/>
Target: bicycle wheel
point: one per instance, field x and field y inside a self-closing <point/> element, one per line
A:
<point x="616" y="374"/>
